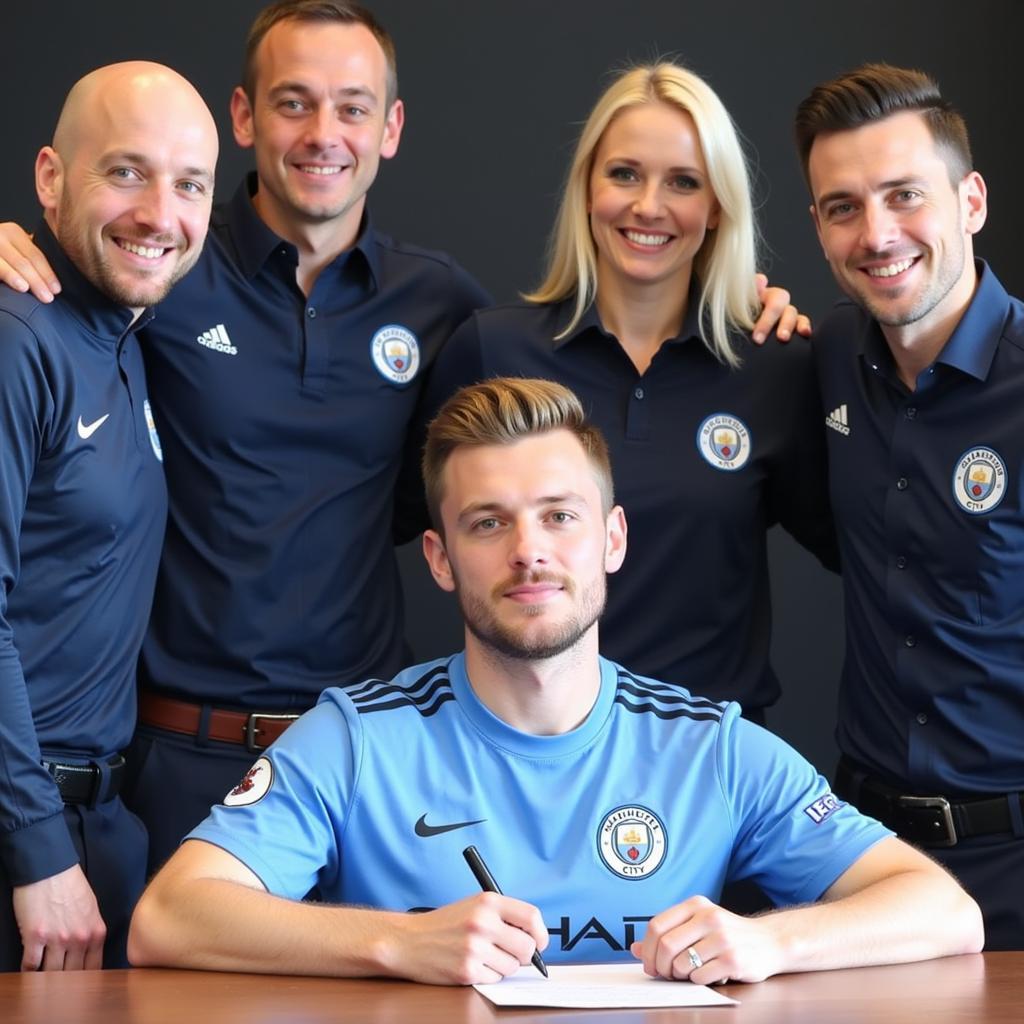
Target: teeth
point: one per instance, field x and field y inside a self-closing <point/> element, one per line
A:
<point x="641" y="238"/>
<point x="149" y="252"/>
<point x="318" y="169"/>
<point x="890" y="271"/>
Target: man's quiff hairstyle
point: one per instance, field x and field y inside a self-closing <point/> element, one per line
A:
<point x="502" y="411"/>
<point x="874" y="92"/>
<point x="726" y="261"/>
<point x="324" y="11"/>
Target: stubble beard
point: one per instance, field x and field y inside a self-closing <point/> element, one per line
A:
<point x="97" y="269"/>
<point x="948" y="274"/>
<point x="510" y="642"/>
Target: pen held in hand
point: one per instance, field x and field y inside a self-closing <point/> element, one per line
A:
<point x="487" y="883"/>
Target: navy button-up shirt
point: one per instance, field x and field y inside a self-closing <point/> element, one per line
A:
<point x="927" y="490"/>
<point x="284" y="419"/>
<point x="705" y="459"/>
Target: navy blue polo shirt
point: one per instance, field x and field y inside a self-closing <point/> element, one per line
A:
<point x="927" y="490"/>
<point x="284" y="421"/>
<point x="705" y="460"/>
<point x="82" y="511"/>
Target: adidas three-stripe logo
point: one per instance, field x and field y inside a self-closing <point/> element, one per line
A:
<point x="217" y="339"/>
<point x="836" y="419"/>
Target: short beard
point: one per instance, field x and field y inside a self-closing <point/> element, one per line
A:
<point x="510" y="643"/>
<point x="96" y="269"/>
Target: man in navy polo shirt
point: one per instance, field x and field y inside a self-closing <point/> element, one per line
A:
<point x="922" y="377"/>
<point x="126" y="188"/>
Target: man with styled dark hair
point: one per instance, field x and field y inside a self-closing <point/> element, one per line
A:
<point x="631" y="801"/>
<point x="877" y="91"/>
<point x="922" y="376"/>
<point x="126" y="188"/>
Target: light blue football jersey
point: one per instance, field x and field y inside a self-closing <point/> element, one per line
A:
<point x="657" y="796"/>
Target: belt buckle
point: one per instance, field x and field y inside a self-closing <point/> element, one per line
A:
<point x="251" y="743"/>
<point x="934" y="802"/>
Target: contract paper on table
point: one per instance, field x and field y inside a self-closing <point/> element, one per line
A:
<point x="596" y="987"/>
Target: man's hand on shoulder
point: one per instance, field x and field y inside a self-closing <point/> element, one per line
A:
<point x="480" y="939"/>
<point x="725" y="946"/>
<point x="60" y="923"/>
<point x="777" y="313"/>
<point x="22" y="266"/>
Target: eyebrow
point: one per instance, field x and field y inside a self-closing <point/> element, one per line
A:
<point x="348" y="91"/>
<point x="478" y="507"/>
<point x="636" y="163"/>
<point x="130" y="157"/>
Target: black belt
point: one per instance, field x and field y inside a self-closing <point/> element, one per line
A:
<point x="87" y="783"/>
<point x="930" y="820"/>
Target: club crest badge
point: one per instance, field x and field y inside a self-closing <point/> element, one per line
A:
<point x="154" y="437"/>
<point x="724" y="441"/>
<point x="396" y="353"/>
<point x="254" y="786"/>
<point x="631" y="841"/>
<point x="979" y="480"/>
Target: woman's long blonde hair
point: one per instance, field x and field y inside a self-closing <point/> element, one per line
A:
<point x="726" y="261"/>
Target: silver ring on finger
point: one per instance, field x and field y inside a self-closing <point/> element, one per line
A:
<point x="695" y="959"/>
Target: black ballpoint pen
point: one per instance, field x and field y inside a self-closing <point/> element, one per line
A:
<point x="488" y="884"/>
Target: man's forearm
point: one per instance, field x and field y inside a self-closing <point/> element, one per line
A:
<point x="214" y="924"/>
<point x="913" y="915"/>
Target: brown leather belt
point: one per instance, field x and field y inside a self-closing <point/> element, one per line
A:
<point x="255" y="731"/>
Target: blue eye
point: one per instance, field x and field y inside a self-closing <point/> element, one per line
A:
<point x="685" y="183"/>
<point x="622" y="174"/>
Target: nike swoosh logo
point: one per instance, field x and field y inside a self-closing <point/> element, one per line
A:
<point x="425" y="830"/>
<point x="86" y="430"/>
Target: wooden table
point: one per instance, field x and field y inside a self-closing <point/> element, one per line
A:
<point x="986" y="988"/>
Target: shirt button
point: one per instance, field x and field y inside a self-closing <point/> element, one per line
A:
<point x="311" y="312"/>
<point x="901" y="484"/>
<point x="901" y="562"/>
<point x="911" y="412"/>
<point x="910" y="640"/>
<point x="639" y="393"/>
<point x="922" y="718"/>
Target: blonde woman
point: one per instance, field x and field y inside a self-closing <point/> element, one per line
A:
<point x="646" y="311"/>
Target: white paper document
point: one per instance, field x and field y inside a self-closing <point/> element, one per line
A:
<point x="596" y="987"/>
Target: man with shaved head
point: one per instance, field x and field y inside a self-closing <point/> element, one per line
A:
<point x="126" y="189"/>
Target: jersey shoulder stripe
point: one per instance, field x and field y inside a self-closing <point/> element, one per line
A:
<point x="665" y="700"/>
<point x="425" y="693"/>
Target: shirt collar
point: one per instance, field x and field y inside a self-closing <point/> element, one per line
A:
<point x="254" y="241"/>
<point x="972" y="345"/>
<point x="95" y="310"/>
<point x="591" y="319"/>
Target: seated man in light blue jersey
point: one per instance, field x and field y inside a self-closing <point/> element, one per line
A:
<point x="613" y="807"/>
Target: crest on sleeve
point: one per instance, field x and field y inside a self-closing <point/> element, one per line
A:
<point x="254" y="786"/>
<point x="631" y="841"/>
<point x="724" y="441"/>
<point x="979" y="480"/>
<point x="154" y="437"/>
<point x="396" y="353"/>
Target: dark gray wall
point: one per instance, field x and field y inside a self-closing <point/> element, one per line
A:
<point x="494" y="92"/>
